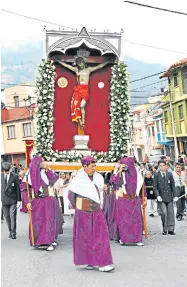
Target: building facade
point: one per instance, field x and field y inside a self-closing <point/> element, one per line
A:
<point x="19" y="96"/>
<point x="148" y="133"/>
<point x="16" y="128"/>
<point x="139" y="138"/>
<point x="177" y="79"/>
<point x="17" y="122"/>
<point x="162" y="141"/>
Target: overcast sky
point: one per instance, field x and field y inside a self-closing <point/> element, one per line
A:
<point x="142" y="25"/>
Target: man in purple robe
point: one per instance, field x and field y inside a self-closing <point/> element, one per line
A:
<point x="91" y="244"/>
<point x="127" y="183"/>
<point x="109" y="207"/>
<point x="42" y="204"/>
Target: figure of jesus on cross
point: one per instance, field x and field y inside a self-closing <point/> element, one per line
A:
<point x="80" y="93"/>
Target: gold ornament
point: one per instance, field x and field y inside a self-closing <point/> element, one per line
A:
<point x="62" y="82"/>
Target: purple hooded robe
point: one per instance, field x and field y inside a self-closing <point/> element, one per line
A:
<point x="128" y="210"/>
<point x="91" y="244"/>
<point x="47" y="219"/>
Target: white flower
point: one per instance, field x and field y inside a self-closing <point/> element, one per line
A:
<point x="44" y="92"/>
<point x="53" y="159"/>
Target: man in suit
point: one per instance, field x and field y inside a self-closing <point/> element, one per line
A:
<point x="10" y="195"/>
<point x="164" y="190"/>
<point x="179" y="178"/>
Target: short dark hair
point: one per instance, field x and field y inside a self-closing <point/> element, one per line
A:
<point x="177" y="164"/>
<point x="161" y="161"/>
<point x="6" y="166"/>
<point x="163" y="157"/>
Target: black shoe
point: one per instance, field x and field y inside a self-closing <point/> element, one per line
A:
<point x="151" y="215"/>
<point x="164" y="233"/>
<point x="171" y="233"/>
<point x="13" y="236"/>
<point x="10" y="235"/>
<point x="179" y="218"/>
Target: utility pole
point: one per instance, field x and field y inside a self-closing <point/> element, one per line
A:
<point x="173" y="128"/>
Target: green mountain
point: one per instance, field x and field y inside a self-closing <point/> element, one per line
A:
<point x="19" y="66"/>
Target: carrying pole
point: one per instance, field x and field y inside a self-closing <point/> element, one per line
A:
<point x="144" y="212"/>
<point x="30" y="213"/>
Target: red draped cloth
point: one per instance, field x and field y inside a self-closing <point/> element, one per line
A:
<point x="80" y="93"/>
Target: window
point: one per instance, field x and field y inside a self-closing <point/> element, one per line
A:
<point x="185" y="85"/>
<point x="175" y="77"/>
<point x="27" y="131"/>
<point x="166" y="116"/>
<point x="157" y="126"/>
<point x="162" y="126"/>
<point x="184" y="79"/>
<point x="11" y="132"/>
<point x="16" y="101"/>
<point x="181" y="114"/>
<point x="153" y="131"/>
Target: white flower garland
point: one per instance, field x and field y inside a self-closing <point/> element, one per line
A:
<point x="119" y="116"/>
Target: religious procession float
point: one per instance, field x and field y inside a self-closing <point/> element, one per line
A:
<point x="82" y="100"/>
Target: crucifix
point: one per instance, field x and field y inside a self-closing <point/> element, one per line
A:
<point x="81" y="90"/>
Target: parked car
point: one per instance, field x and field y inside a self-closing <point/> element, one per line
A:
<point x="155" y="155"/>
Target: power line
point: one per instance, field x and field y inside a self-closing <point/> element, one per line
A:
<point x="146" y="77"/>
<point x="157" y="8"/>
<point x="18" y="84"/>
<point x="148" y="85"/>
<point x="19" y="100"/>
<point x="173" y="91"/>
<point x="56" y="24"/>
<point x="154" y="104"/>
<point x="36" y="19"/>
<point x="155" y="47"/>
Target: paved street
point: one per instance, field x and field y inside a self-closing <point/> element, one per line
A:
<point x="161" y="262"/>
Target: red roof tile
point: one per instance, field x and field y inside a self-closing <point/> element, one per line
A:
<point x="14" y="114"/>
<point x="174" y="66"/>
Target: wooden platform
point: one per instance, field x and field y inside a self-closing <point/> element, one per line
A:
<point x="70" y="167"/>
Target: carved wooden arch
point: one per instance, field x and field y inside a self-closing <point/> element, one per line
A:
<point x="112" y="49"/>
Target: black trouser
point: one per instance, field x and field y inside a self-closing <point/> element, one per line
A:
<point x="180" y="207"/>
<point x="10" y="214"/>
<point x="2" y="216"/>
<point x="62" y="203"/>
<point x="181" y="202"/>
<point x="167" y="215"/>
